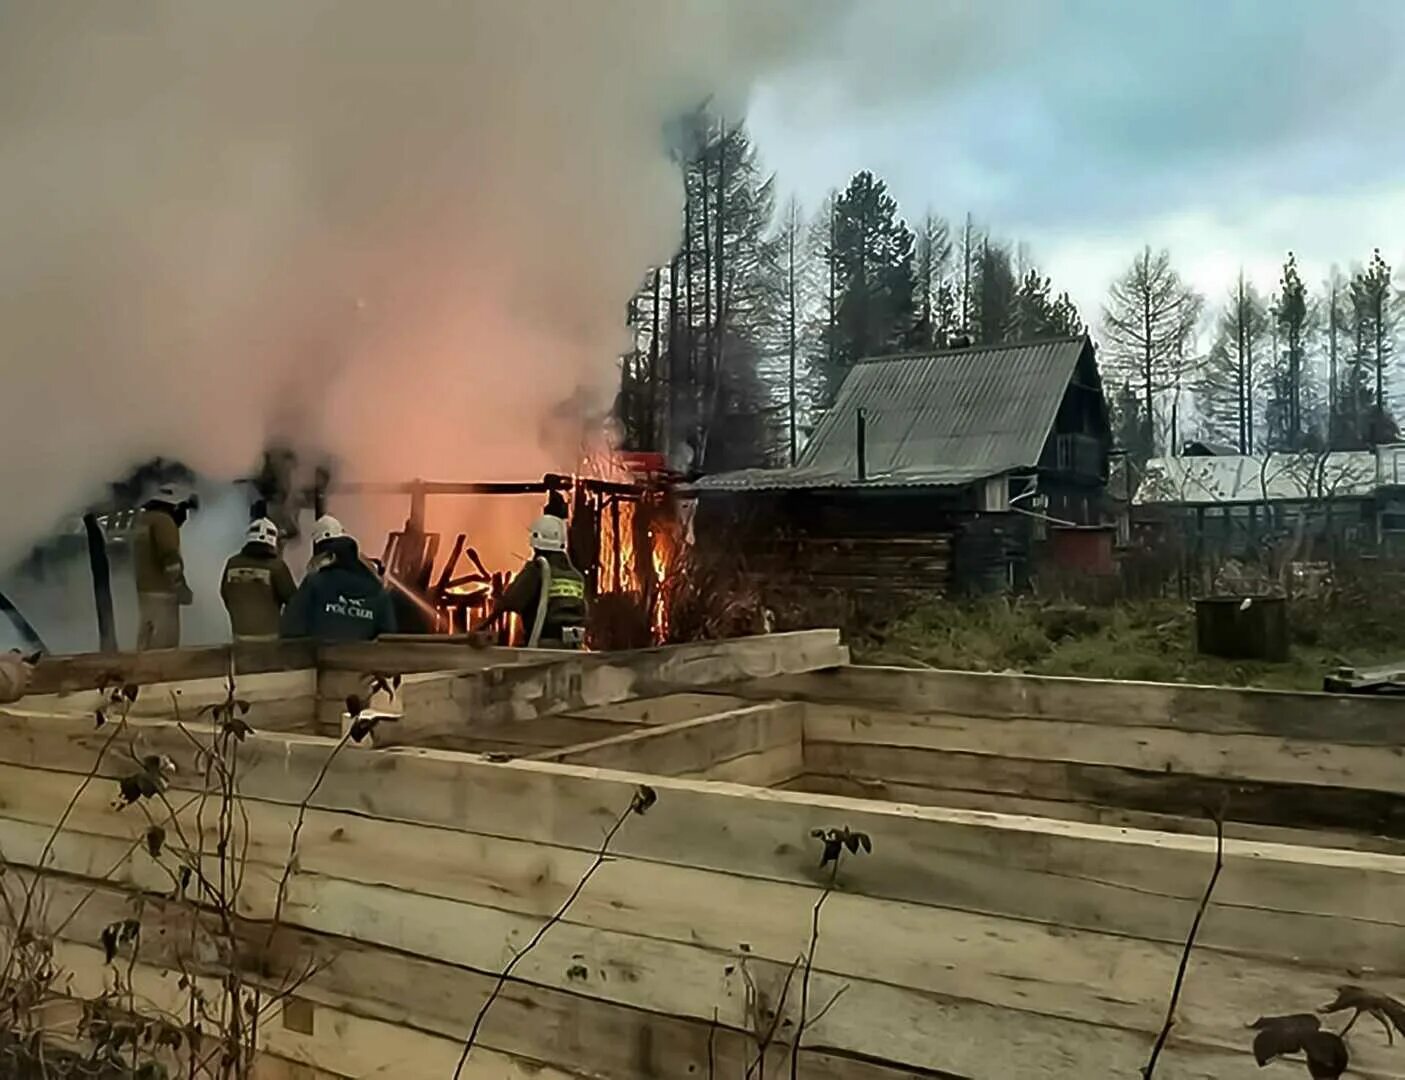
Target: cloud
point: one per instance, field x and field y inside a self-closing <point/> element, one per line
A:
<point x="1227" y="129"/>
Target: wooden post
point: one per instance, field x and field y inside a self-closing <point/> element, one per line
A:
<point x="102" y="583"/>
<point x="615" y="531"/>
<point x="417" y="507"/>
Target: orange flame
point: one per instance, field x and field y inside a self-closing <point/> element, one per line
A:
<point x="621" y="567"/>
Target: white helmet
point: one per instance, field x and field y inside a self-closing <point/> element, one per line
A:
<point x="548" y="534"/>
<point x="262" y="531"/>
<point x="326" y="528"/>
<point x="173" y="495"/>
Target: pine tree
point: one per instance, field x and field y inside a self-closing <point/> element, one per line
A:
<point x="1066" y="321"/>
<point x="872" y="260"/>
<point x="1036" y="315"/>
<point x="1373" y="346"/>
<point x="1148" y="322"/>
<point x="1363" y="410"/>
<point x="1288" y="411"/>
<point x="996" y="290"/>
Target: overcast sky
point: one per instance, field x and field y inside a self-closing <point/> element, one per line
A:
<point x="1226" y="130"/>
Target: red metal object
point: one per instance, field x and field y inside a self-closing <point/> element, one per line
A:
<point x="644" y="462"/>
<point x="1086" y="548"/>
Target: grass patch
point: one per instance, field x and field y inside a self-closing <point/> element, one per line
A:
<point x="1151" y="640"/>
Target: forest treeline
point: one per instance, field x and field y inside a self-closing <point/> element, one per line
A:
<point x="741" y="340"/>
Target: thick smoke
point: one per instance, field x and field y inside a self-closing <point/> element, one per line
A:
<point x="399" y="234"/>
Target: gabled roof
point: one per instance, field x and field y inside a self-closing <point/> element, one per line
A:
<point x="939" y="419"/>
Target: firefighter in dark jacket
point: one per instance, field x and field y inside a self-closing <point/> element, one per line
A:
<point x="548" y="593"/>
<point x="343" y="600"/>
<point x="256" y="585"/>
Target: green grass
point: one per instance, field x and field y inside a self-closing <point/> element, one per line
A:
<point x="1152" y="640"/>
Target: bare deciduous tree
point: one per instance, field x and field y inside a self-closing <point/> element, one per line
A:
<point x="1148" y="321"/>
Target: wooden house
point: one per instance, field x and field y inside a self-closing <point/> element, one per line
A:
<point x="933" y="472"/>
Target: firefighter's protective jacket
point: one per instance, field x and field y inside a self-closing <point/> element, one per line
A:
<point x="255" y="587"/>
<point x="156" y="554"/>
<point x="565" y="600"/>
<point x="344" y="601"/>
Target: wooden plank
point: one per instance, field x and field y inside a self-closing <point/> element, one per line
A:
<point x="1319" y="921"/>
<point x="1236" y="757"/>
<point x="279" y="701"/>
<point x="1337" y="809"/>
<point x="1105" y="982"/>
<point x="442" y="701"/>
<point x="692" y="747"/>
<point x="863" y="787"/>
<point x="770" y="767"/>
<point x="345" y="1044"/>
<point x="526" y="1021"/>
<point x="545" y="733"/>
<point x="89" y="671"/>
<point x="666" y="709"/>
<point x="1072" y="874"/>
<point x="397" y="658"/>
<point x="1332" y="718"/>
<point x="437" y="707"/>
<point x="403" y="655"/>
<point x="591" y="679"/>
<point x="270" y="1067"/>
<point x="586" y="680"/>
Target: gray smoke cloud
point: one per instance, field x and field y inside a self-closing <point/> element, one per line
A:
<point x="396" y="233"/>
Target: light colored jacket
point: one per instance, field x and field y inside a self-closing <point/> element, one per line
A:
<point x="14" y="677"/>
<point x="156" y="556"/>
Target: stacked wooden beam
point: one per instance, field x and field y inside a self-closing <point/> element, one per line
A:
<point x="1307" y="768"/>
<point x="968" y="943"/>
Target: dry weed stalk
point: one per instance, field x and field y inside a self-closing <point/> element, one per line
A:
<point x="121" y="1033"/>
<point x="1149" y="1069"/>
<point x="640" y="801"/>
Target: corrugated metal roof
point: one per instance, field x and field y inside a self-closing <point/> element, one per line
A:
<point x="933" y="419"/>
<point x="1236" y="478"/>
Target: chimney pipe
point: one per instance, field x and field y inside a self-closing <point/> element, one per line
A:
<point x="862" y="436"/>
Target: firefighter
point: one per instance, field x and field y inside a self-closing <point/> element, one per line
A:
<point x="326" y="528"/>
<point x="257" y="584"/>
<point x="548" y="593"/>
<point x="160" y="572"/>
<point x="343" y="599"/>
<point x="15" y="672"/>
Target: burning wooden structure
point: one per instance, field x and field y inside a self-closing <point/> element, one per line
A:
<point x="1038" y="853"/>
<point x="622" y="536"/>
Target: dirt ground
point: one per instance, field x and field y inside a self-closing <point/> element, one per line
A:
<point x="1149" y="640"/>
